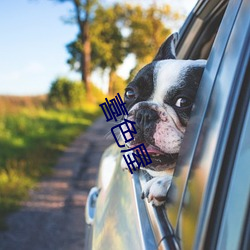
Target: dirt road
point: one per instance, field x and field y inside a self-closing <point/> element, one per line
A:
<point x="53" y="218"/>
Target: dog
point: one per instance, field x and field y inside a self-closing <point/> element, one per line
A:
<point x="159" y="100"/>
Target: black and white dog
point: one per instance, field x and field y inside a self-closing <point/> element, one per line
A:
<point x="159" y="100"/>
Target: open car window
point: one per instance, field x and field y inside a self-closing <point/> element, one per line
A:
<point x="197" y="117"/>
<point x="210" y="27"/>
<point x="213" y="31"/>
<point x="196" y="40"/>
<point x="198" y="170"/>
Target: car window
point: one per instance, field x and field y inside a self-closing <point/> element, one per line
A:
<point x="192" y="132"/>
<point x="235" y="211"/>
<point x="208" y="131"/>
<point x="203" y="21"/>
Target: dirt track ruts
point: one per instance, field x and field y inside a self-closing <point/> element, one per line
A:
<point x="53" y="218"/>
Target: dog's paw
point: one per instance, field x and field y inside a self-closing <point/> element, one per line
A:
<point x="156" y="189"/>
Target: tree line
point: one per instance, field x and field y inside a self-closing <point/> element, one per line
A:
<point x="107" y="34"/>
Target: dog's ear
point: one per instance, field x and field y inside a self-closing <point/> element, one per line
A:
<point x="167" y="49"/>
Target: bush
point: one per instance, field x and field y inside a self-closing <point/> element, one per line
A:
<point x="66" y="93"/>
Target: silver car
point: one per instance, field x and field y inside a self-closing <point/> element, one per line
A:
<point x="209" y="198"/>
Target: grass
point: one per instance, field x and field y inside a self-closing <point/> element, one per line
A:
<point x="31" y="139"/>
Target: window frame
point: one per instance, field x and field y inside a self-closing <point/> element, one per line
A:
<point x="195" y="133"/>
<point x="162" y="228"/>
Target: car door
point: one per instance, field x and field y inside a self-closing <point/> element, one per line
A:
<point x="121" y="218"/>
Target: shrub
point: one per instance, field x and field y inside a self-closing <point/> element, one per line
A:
<point x="66" y="93"/>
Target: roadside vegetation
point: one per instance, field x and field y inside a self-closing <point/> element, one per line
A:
<point x="34" y="131"/>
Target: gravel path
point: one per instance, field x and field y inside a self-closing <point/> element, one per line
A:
<point x="53" y="218"/>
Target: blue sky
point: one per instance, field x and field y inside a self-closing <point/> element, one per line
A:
<point x="32" y="44"/>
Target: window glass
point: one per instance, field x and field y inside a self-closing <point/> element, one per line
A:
<point x="236" y="206"/>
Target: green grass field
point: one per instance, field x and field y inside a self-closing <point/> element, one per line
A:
<point x="31" y="139"/>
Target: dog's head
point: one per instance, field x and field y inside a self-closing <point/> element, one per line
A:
<point x="159" y="100"/>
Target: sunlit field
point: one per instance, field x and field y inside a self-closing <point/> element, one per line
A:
<point x="32" y="136"/>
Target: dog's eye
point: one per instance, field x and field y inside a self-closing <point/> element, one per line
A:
<point x="183" y="102"/>
<point x="130" y="94"/>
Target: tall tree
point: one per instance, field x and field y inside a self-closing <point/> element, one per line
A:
<point x="147" y="31"/>
<point x="108" y="48"/>
<point x="119" y="30"/>
<point x="83" y="15"/>
<point x="108" y="45"/>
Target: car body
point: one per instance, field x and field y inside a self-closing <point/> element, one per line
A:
<point x="210" y="193"/>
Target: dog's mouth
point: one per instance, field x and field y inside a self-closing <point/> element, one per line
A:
<point x="160" y="160"/>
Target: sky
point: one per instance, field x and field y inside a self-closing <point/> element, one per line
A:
<point x="32" y="44"/>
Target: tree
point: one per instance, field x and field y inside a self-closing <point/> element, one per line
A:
<point x="108" y="45"/>
<point x="148" y="31"/>
<point x="119" y="30"/>
<point x="108" y="48"/>
<point x="83" y="15"/>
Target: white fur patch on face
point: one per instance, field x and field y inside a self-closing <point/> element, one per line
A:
<point x="169" y="73"/>
<point x="168" y="138"/>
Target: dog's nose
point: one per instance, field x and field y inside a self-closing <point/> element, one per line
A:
<point x="145" y="117"/>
